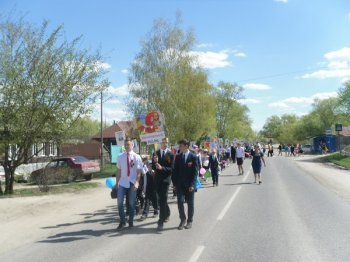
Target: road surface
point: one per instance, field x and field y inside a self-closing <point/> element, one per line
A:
<point x="289" y="217"/>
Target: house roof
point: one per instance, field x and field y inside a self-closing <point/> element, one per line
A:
<point x="109" y="132"/>
<point x="346" y="131"/>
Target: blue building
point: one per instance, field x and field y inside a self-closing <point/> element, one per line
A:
<point x="330" y="140"/>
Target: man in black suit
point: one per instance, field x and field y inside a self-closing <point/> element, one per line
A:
<point x="184" y="179"/>
<point x="163" y="165"/>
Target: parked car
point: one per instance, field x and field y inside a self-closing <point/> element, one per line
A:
<point x="307" y="149"/>
<point x="68" y="168"/>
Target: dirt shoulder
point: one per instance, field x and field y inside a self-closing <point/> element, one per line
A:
<point x="29" y="219"/>
<point x="331" y="176"/>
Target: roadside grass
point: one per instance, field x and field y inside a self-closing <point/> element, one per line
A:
<point x="56" y="189"/>
<point x="338" y="159"/>
<point x="108" y="171"/>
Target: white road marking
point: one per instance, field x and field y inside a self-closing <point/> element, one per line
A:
<point x="197" y="253"/>
<point x="223" y="212"/>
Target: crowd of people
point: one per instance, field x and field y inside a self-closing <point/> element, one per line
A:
<point x="146" y="182"/>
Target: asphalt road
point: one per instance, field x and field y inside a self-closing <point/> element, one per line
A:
<point x="289" y="217"/>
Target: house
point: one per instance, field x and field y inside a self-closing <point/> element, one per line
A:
<point x="108" y="134"/>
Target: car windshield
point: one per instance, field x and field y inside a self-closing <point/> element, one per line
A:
<point x="80" y="159"/>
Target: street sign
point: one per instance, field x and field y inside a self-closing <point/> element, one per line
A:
<point x="338" y="127"/>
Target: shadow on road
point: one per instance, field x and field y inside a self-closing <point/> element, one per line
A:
<point x="238" y="184"/>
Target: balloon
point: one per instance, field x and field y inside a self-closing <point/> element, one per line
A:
<point x="198" y="183"/>
<point x="202" y="171"/>
<point x="110" y="182"/>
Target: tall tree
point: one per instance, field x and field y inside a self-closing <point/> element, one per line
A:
<point x="229" y="113"/>
<point x="46" y="82"/>
<point x="344" y="98"/>
<point x="164" y="77"/>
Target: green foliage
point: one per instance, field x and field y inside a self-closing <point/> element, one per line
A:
<point x="339" y="160"/>
<point x="291" y="129"/>
<point x="83" y="129"/>
<point x="232" y="119"/>
<point x="164" y="78"/>
<point x="46" y="83"/>
<point x="344" y="99"/>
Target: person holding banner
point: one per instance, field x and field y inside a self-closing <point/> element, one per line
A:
<point x="129" y="168"/>
<point x="163" y="162"/>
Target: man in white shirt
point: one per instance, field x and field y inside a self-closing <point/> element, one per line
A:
<point x="129" y="168"/>
<point x="240" y="153"/>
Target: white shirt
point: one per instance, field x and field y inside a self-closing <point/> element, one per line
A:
<point x="163" y="152"/>
<point x="240" y="152"/>
<point x="135" y="166"/>
<point x="186" y="155"/>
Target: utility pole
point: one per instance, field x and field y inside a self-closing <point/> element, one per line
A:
<point x="102" y="160"/>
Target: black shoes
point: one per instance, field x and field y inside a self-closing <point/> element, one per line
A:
<point x="121" y="226"/>
<point x="181" y="226"/>
<point x="189" y="225"/>
<point x="167" y="219"/>
<point x="160" y="227"/>
<point x="131" y="224"/>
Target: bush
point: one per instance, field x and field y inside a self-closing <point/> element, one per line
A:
<point x="45" y="179"/>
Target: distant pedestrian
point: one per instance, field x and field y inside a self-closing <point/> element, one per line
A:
<point x="292" y="150"/>
<point x="270" y="150"/>
<point x="233" y="153"/>
<point x="280" y="150"/>
<point x="258" y="158"/>
<point x="127" y="181"/>
<point x="240" y="154"/>
<point x="214" y="167"/>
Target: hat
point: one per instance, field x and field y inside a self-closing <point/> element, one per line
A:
<point x="194" y="146"/>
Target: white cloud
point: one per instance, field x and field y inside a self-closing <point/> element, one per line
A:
<point x="337" y="63"/>
<point x="255" y="86"/>
<point x="116" y="114"/>
<point x="125" y="71"/>
<point x="288" y="102"/>
<point x="240" y="54"/>
<point x="122" y="90"/>
<point x="281" y="1"/>
<point x="280" y="104"/>
<point x="249" y="101"/>
<point x="104" y="66"/>
<point x="211" y="59"/>
<point x="205" y="45"/>
<point x="349" y="15"/>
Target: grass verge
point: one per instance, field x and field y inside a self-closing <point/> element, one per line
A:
<point x="338" y="159"/>
<point x="107" y="171"/>
<point x="57" y="189"/>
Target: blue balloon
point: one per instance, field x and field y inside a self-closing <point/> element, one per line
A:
<point x="110" y="182"/>
<point x="198" y="183"/>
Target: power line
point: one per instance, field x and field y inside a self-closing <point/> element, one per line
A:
<point x="281" y="74"/>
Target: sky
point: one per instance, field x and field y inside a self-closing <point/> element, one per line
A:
<point x="284" y="53"/>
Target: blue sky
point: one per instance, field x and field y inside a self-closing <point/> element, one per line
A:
<point x="284" y="53"/>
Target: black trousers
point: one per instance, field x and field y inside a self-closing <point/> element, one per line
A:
<point x="182" y="194"/>
<point x="215" y="176"/>
<point x="151" y="198"/>
<point x="164" y="210"/>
